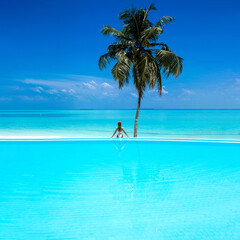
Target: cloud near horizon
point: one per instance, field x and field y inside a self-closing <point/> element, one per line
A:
<point x="90" y="92"/>
<point x="74" y="85"/>
<point x="70" y="91"/>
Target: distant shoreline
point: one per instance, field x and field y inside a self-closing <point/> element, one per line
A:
<point x="133" y="109"/>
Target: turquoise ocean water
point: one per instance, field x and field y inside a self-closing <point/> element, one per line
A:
<point x="205" y="124"/>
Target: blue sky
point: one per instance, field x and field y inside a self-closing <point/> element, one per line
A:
<point x="49" y="51"/>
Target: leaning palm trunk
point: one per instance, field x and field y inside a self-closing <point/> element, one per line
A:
<point x="137" y="114"/>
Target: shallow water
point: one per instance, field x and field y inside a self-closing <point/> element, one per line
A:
<point x="119" y="190"/>
<point x="206" y="124"/>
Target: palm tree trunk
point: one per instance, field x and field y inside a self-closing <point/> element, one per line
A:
<point x="137" y="114"/>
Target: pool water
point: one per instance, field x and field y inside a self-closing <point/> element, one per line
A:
<point x="119" y="190"/>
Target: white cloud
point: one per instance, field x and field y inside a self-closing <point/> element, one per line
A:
<point x="88" y="85"/>
<point x="107" y="94"/>
<point x="72" y="91"/>
<point x="74" y="85"/>
<point x="54" y="83"/>
<point x="75" y="82"/>
<point x="52" y="91"/>
<point x="106" y="85"/>
<point x="164" y="91"/>
<point x="93" y="82"/>
<point x="38" y="89"/>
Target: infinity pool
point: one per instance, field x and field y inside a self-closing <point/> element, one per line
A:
<point x="138" y="190"/>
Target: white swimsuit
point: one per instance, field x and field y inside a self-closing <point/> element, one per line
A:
<point x="119" y="135"/>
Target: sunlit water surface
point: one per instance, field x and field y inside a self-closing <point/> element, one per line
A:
<point x="205" y="124"/>
<point x="119" y="190"/>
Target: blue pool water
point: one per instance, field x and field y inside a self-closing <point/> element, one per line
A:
<point x="119" y="190"/>
<point x="204" y="124"/>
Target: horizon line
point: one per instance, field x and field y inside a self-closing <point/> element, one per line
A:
<point x="122" y="109"/>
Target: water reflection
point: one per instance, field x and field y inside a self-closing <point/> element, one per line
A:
<point x="138" y="180"/>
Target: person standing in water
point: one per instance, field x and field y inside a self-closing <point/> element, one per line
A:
<point x="119" y="128"/>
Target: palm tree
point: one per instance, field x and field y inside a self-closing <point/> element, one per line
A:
<point x="138" y="54"/>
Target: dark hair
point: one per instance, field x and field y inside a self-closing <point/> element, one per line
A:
<point x="119" y="124"/>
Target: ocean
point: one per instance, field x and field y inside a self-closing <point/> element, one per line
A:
<point x="167" y="124"/>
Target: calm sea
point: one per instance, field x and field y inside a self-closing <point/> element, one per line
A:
<point x="206" y="124"/>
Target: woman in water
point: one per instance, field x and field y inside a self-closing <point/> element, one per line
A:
<point x="119" y="128"/>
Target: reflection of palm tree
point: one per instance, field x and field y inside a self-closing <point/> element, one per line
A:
<point x="139" y="180"/>
<point x="136" y="49"/>
<point x="142" y="183"/>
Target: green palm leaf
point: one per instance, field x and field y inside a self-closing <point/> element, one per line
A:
<point x="106" y="59"/>
<point x="121" y="70"/>
<point x="169" y="62"/>
<point x="107" y="30"/>
<point x="164" y="21"/>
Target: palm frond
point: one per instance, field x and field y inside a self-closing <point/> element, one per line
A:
<point x="151" y="7"/>
<point x="131" y="22"/>
<point x="107" y="30"/>
<point x="151" y="34"/>
<point x="118" y="46"/>
<point x="163" y="45"/>
<point x="162" y="22"/>
<point x="152" y="73"/>
<point x="142" y="68"/>
<point x="106" y="59"/>
<point x="126" y="16"/>
<point x="121" y="70"/>
<point x="169" y="62"/>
